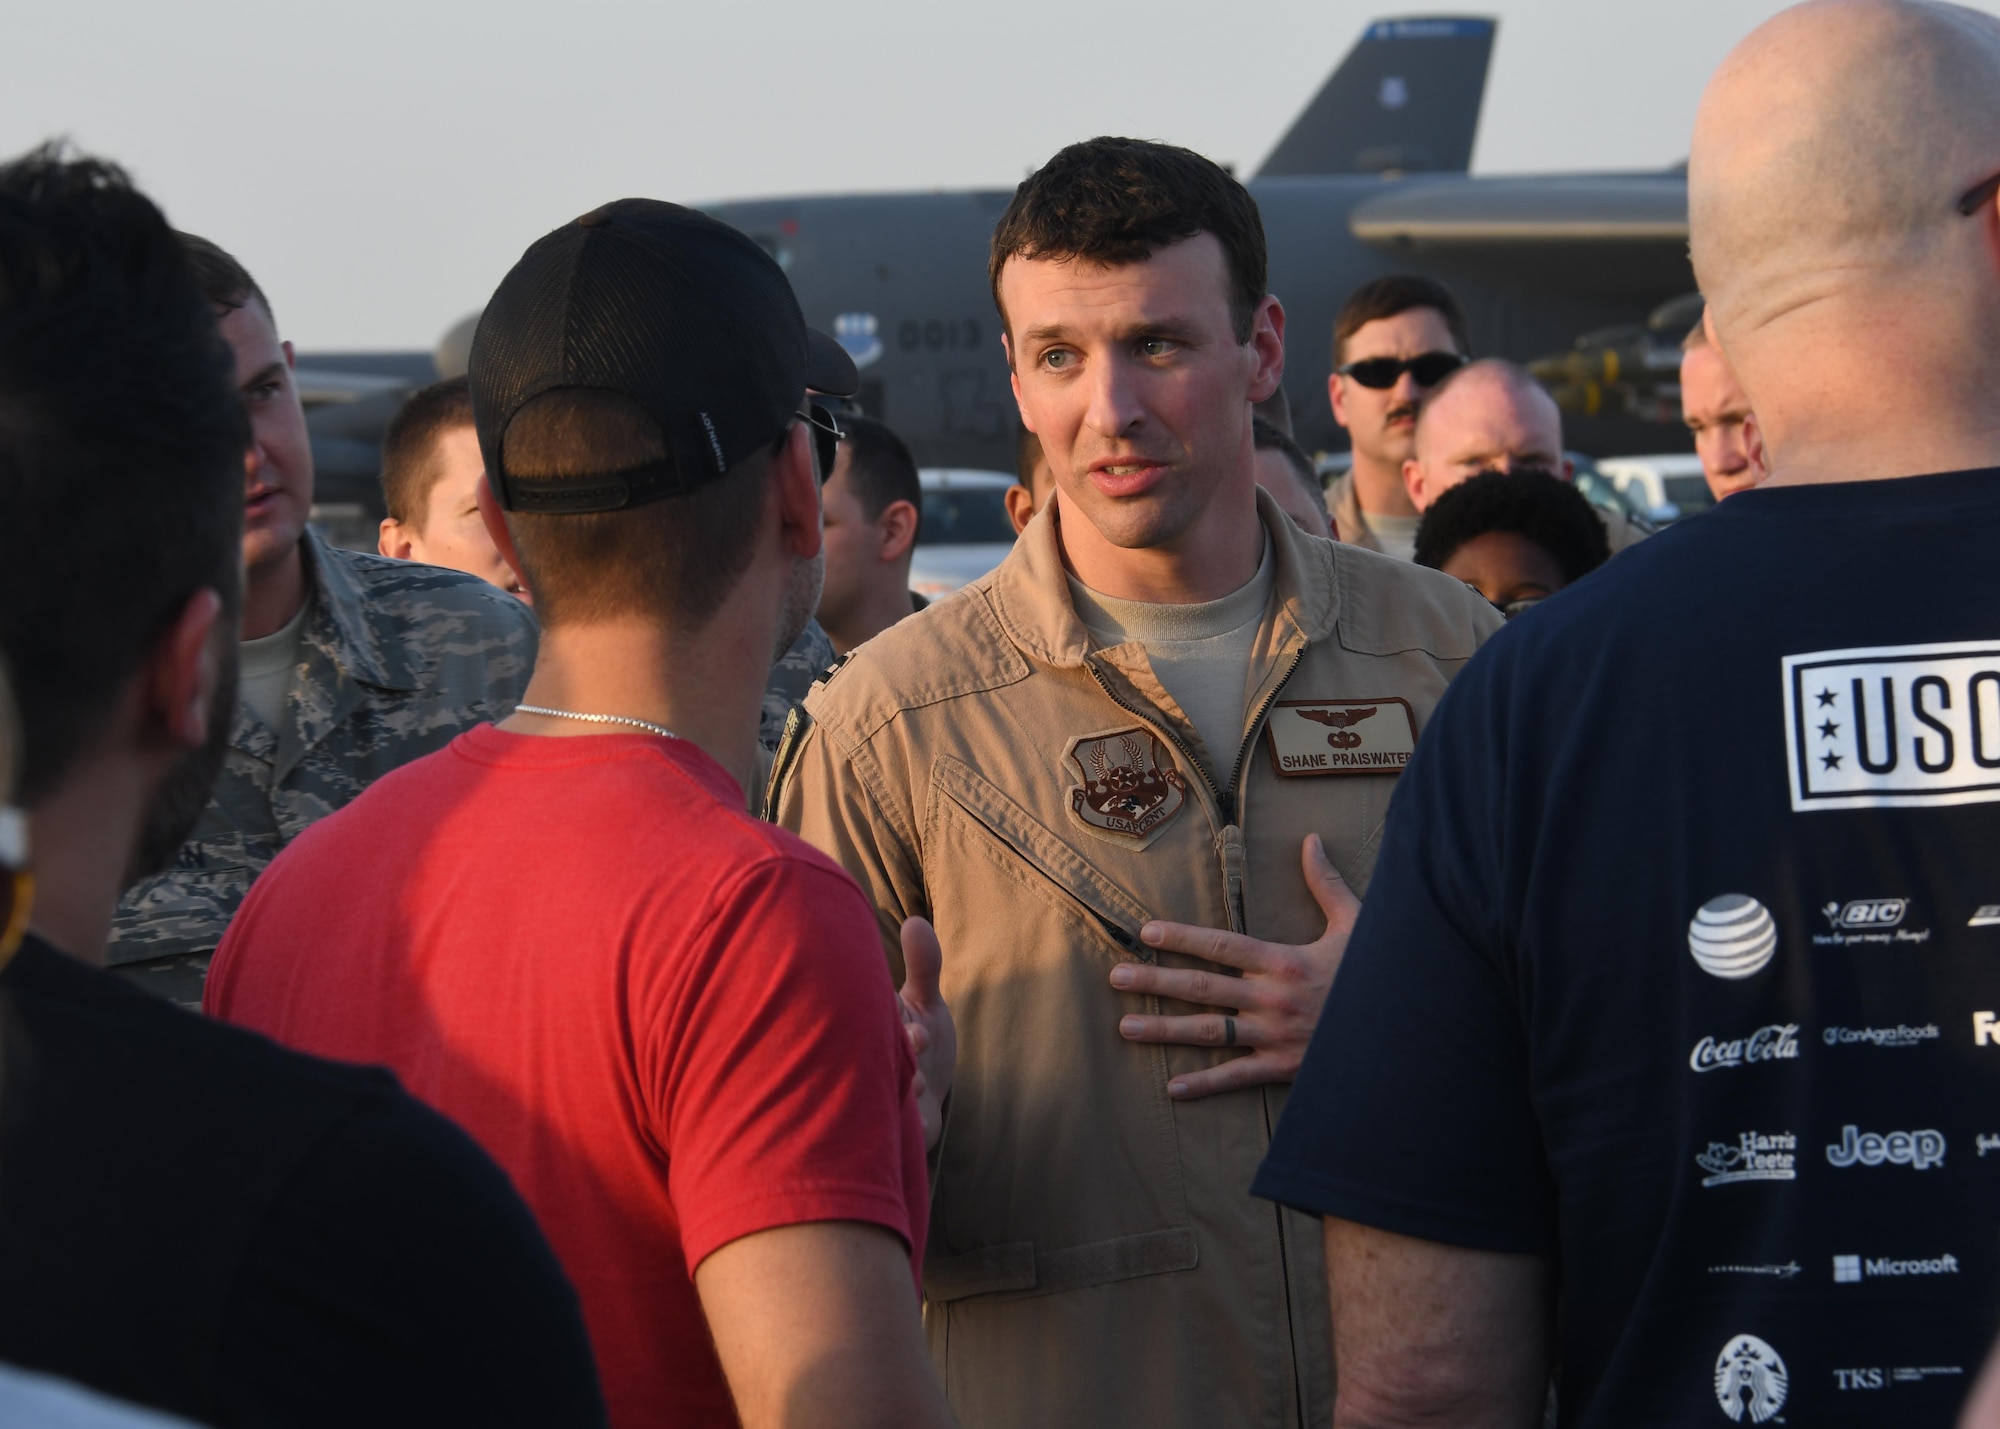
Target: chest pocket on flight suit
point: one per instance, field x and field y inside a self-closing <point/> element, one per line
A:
<point x="1061" y="1167"/>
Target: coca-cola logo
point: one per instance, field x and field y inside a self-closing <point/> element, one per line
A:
<point x="1777" y="1043"/>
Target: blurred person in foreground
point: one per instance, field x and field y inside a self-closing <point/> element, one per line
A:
<point x="351" y="665"/>
<point x="27" y="1399"/>
<point x="1395" y="339"/>
<point x="669" y="1021"/>
<point x="1284" y="470"/>
<point x="1668" y="1033"/>
<point x="1516" y="537"/>
<point x="430" y="484"/>
<point x="1719" y="416"/>
<point x="1168" y="702"/>
<point x="873" y="508"/>
<point x="1491" y="415"/>
<point x="1034" y="484"/>
<point x="192" y="1218"/>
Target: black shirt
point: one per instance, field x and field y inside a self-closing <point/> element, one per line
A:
<point x="1681" y="963"/>
<point x="194" y="1218"/>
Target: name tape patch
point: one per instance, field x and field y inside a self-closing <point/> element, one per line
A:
<point x="1341" y="736"/>
<point x="1894" y="726"/>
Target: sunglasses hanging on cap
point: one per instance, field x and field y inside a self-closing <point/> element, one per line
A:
<point x="1428" y="368"/>
<point x="826" y="435"/>
<point x="17" y="884"/>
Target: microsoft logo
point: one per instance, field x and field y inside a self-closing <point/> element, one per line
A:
<point x="1846" y="1269"/>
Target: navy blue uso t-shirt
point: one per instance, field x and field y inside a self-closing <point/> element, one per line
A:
<point x="1681" y="963"/>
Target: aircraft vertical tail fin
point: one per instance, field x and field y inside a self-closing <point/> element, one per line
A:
<point x="1406" y="99"/>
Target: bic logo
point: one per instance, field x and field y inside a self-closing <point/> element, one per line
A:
<point x="1867" y="912"/>
<point x="1985" y="1030"/>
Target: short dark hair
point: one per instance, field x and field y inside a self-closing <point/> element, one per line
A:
<point x="1115" y="201"/>
<point x="1267" y="437"/>
<point x="1398" y="293"/>
<point x="679" y="556"/>
<point x="1546" y="509"/>
<point x="880" y="466"/>
<point x="226" y="283"/>
<point x="409" y="448"/>
<point x="98" y="296"/>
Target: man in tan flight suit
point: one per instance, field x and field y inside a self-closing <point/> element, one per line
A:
<point x="1164" y="698"/>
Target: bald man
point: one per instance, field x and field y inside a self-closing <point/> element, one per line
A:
<point x="1491" y="415"/>
<point x="1670" y="1029"/>
<point x="1718" y="413"/>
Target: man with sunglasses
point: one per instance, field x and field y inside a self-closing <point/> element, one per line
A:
<point x="1395" y="339"/>
<point x="1664" y="1052"/>
<point x="669" y="1021"/>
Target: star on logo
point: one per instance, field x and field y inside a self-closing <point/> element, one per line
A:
<point x="1828" y="730"/>
<point x="1830" y="760"/>
<point x="1827" y="697"/>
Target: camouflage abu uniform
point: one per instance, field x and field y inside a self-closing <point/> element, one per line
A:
<point x="809" y="657"/>
<point x="792" y="677"/>
<point x="394" y="660"/>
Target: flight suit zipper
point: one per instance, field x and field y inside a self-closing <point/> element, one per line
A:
<point x="1232" y="854"/>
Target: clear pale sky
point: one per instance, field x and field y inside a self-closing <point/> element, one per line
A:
<point x="379" y="165"/>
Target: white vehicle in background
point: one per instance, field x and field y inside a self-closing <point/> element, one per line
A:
<point x="966" y="530"/>
<point x="1665" y="488"/>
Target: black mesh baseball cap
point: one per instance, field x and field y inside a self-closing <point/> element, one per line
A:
<point x="681" y="313"/>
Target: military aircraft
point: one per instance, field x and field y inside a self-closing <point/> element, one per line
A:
<point x="1371" y="179"/>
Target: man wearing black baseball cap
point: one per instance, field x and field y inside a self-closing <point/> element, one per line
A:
<point x="670" y="1022"/>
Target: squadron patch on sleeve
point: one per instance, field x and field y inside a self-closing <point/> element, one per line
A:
<point x="1311" y="737"/>
<point x="1130" y="786"/>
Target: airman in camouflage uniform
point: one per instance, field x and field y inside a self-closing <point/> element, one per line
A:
<point x="394" y="660"/>
<point x="809" y="657"/>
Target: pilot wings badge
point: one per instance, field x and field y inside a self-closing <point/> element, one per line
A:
<point x="1131" y="786"/>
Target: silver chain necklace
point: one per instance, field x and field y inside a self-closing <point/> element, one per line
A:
<point x="644" y="724"/>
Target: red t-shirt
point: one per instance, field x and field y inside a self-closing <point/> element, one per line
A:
<point x="672" y="1024"/>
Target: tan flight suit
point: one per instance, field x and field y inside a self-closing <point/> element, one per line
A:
<point x="1095" y="1257"/>
<point x="1343" y="504"/>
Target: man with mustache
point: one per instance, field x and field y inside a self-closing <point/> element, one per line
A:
<point x="1395" y="339"/>
<point x="1167" y="703"/>
<point x="192" y="1218"/>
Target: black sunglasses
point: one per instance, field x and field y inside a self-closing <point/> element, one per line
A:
<point x="1970" y="201"/>
<point x="1429" y="368"/>
<point x="826" y="435"/>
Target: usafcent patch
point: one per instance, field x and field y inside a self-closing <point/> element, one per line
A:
<point x="1131" y="788"/>
<point x="1310" y="737"/>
